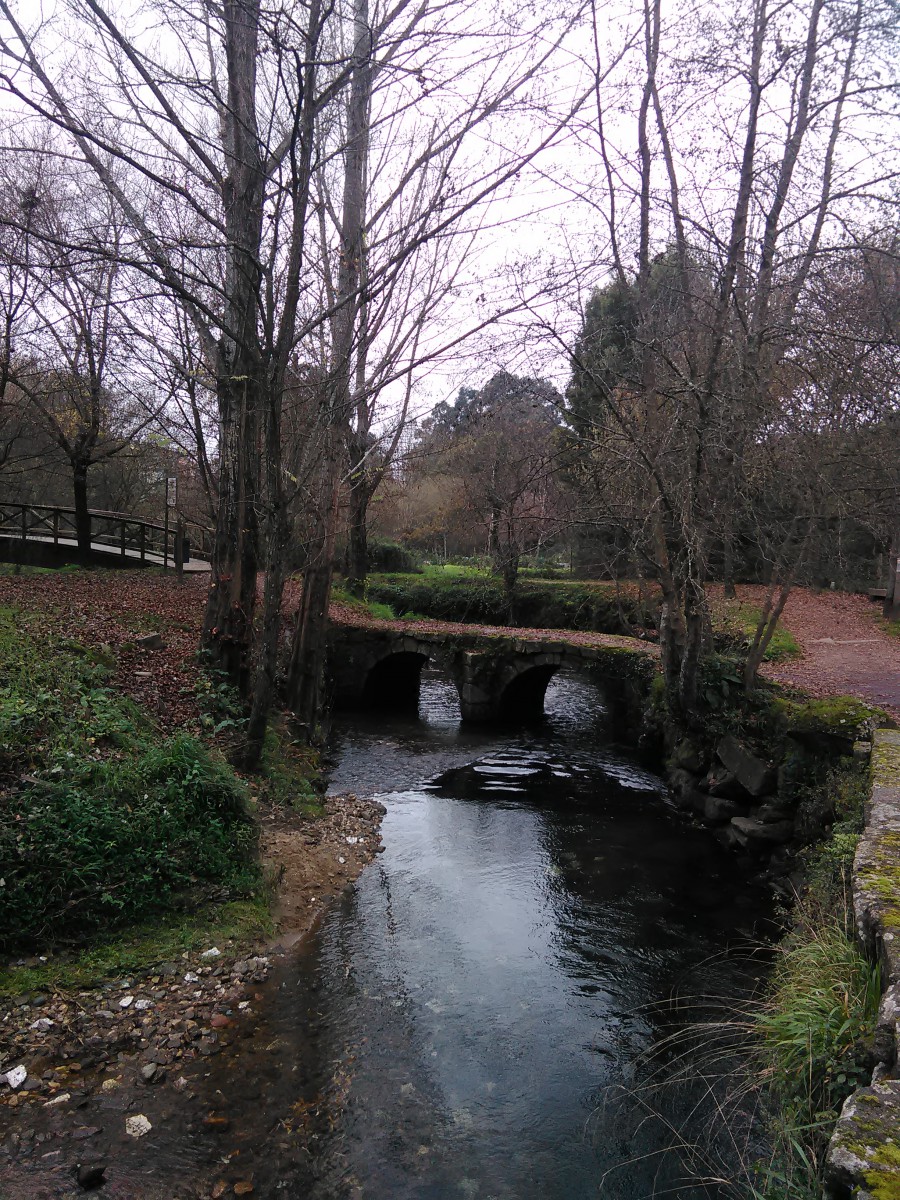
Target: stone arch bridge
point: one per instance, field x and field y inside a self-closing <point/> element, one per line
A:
<point x="497" y="676"/>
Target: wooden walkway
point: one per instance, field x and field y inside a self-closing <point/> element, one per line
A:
<point x="45" y="534"/>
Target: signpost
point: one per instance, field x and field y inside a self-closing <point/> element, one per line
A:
<point x="171" y="502"/>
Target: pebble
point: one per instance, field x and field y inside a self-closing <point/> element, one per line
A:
<point x="126" y="1002"/>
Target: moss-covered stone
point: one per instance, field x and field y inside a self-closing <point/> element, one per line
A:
<point x="844" y="717"/>
<point x="864" y="1156"/>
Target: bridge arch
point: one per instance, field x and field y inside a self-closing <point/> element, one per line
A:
<point x="393" y="681"/>
<point x="521" y="693"/>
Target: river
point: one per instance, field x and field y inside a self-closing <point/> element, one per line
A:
<point x="481" y="1006"/>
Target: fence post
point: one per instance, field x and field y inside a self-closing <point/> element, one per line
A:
<point x="24" y="522"/>
<point x="122" y="538"/>
<point x="179" y="549"/>
<point x="56" y="527"/>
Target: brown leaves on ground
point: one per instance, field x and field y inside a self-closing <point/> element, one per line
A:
<point x="846" y="649"/>
<point x="114" y="609"/>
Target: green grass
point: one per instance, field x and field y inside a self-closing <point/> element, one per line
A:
<point x="735" y="624"/>
<point x="13" y="569"/>
<point x="814" y="1031"/>
<point x="103" y="822"/>
<point x="291" y="772"/>
<point x="240" y="923"/>
<point x="367" y="608"/>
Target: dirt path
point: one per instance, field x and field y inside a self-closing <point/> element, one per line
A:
<point x="846" y="651"/>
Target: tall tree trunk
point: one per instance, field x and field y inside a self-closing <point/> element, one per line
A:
<point x="231" y="602"/>
<point x="277" y="535"/>
<point x="308" y="652"/>
<point x="309" y="645"/>
<point x="358" y="536"/>
<point x="891" y="609"/>
<point x="82" y="512"/>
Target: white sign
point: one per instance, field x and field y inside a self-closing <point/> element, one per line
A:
<point x="171" y="491"/>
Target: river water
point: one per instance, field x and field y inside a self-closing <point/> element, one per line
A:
<point x="482" y="1005"/>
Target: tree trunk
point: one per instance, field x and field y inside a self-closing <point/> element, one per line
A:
<point x="891" y="610"/>
<point x="307" y="666"/>
<point x="277" y="536"/>
<point x="82" y="512"/>
<point x="728" y="567"/>
<point x="358" y="537"/>
<point x="231" y="601"/>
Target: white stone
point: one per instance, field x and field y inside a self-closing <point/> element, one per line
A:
<point x="190" y="977"/>
<point x="213" y="952"/>
<point x="126" y="1002"/>
<point x="16" y="1077"/>
<point x="42" y="1024"/>
<point x="143" y="1004"/>
<point x="60" y="1099"/>
<point x="137" y="1126"/>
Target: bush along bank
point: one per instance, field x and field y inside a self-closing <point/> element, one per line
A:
<point x="537" y="604"/>
<point x="785" y="785"/>
<point x="103" y="822"/>
<point x="864" y="1155"/>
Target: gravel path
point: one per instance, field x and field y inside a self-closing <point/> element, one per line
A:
<point x="846" y="650"/>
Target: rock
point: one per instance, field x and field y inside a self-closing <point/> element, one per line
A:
<point x="150" y="1073"/>
<point x="60" y="1099"/>
<point x="153" y="641"/>
<point x="90" y="1175"/>
<point x="213" y="952"/>
<point x="16" y="1077"/>
<point x="774" y="810"/>
<point x="721" y="782"/>
<point x="758" y="833"/>
<point x="718" y="808"/>
<point x="42" y="1024"/>
<point x="83" y="1132"/>
<point x="244" y="1188"/>
<point x="137" y="1126"/>
<point x="753" y="774"/>
<point x="126" y="1002"/>
<point x="687" y="756"/>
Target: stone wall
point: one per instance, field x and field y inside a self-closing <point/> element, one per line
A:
<point x="750" y="790"/>
<point x="864" y="1156"/>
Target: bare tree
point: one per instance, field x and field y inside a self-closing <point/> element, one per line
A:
<point x="727" y="228"/>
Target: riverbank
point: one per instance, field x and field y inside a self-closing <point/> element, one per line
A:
<point x="147" y="891"/>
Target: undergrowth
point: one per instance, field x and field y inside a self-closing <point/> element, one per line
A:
<point x="103" y="822"/>
<point x="771" y="1073"/>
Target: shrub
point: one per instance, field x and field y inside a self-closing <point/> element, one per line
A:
<point x="391" y="556"/>
<point x="111" y="842"/>
<point x="102" y="822"/>
<point x="538" y="604"/>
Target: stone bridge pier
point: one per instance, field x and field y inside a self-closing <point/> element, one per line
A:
<point x="494" y="685"/>
<point x="371" y="669"/>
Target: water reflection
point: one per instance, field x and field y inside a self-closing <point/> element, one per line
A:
<point x="495" y="973"/>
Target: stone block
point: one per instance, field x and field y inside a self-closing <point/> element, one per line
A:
<point x="755" y="776"/>
<point x="757" y="834"/>
<point x="719" y="808"/>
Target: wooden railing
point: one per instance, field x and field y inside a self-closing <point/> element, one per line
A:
<point x="133" y="538"/>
